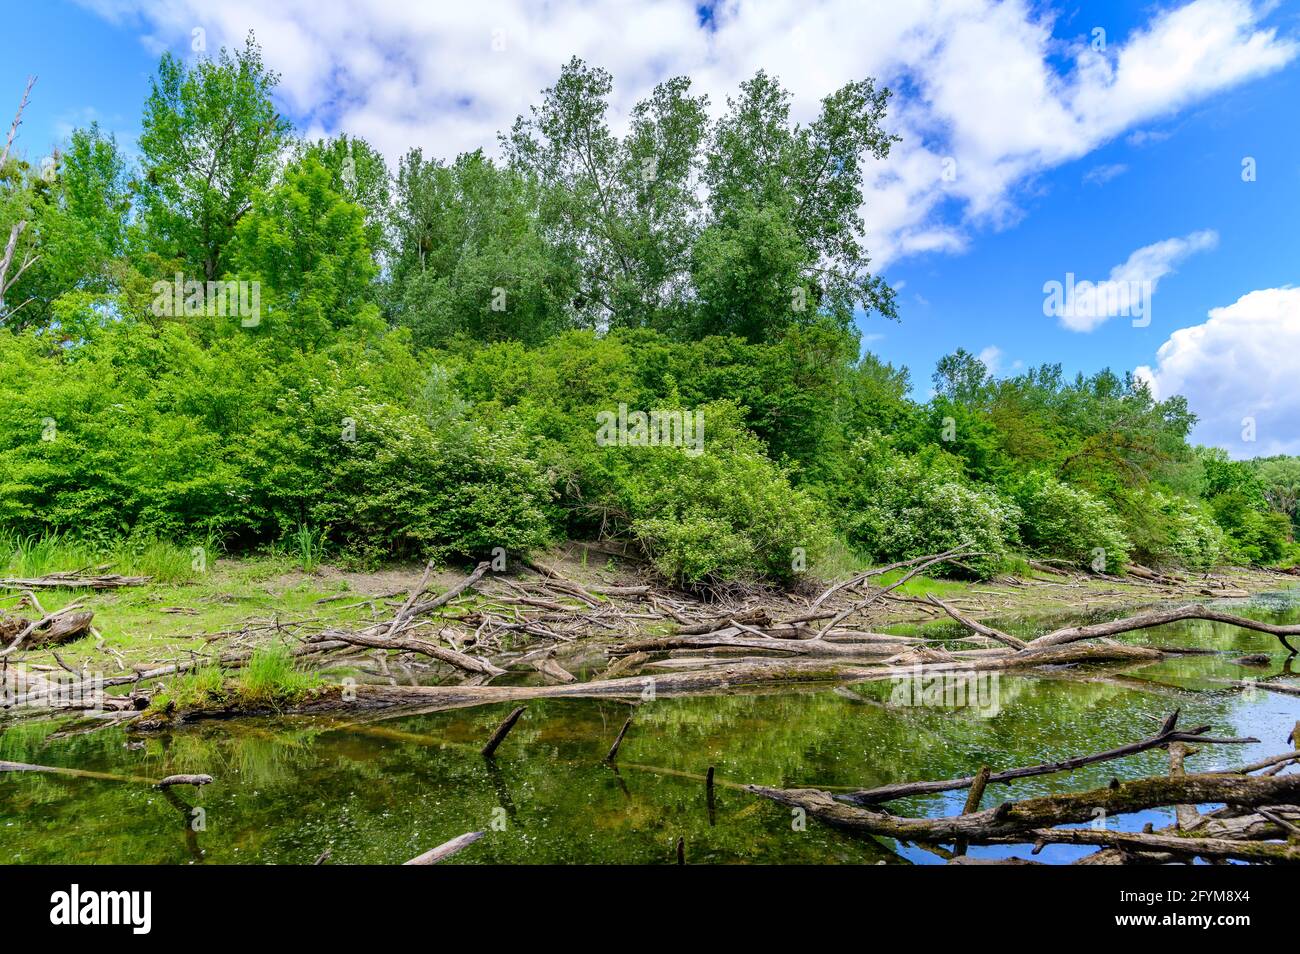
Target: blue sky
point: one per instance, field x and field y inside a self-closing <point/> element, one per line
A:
<point x="1068" y="158"/>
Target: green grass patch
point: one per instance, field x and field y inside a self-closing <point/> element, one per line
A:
<point x="33" y="555"/>
<point x="192" y="689"/>
<point x="273" y="677"/>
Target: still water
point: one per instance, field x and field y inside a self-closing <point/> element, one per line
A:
<point x="287" y="790"/>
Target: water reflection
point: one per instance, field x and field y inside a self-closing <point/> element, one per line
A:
<point x="286" y="790"/>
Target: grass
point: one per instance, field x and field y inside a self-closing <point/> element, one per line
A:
<point x="162" y="622"/>
<point x="196" y="688"/>
<point x="307" y="546"/>
<point x="33" y="555"/>
<point x="272" y="677"/>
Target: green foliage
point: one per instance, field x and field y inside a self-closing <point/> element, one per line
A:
<point x="210" y="142"/>
<point x="194" y="689"/>
<point x="724" y="514"/>
<point x="359" y="173"/>
<point x="1171" y="530"/>
<point x="308" y="546"/>
<point x="1280" y="480"/>
<point x="33" y="555"/>
<point x="306" y="244"/>
<point x="1255" y="533"/>
<point x="471" y="260"/>
<point x="779" y="240"/>
<point x="1068" y="523"/>
<point x="430" y="356"/>
<point x="78" y="206"/>
<point x="404" y="487"/>
<point x="894" y="506"/>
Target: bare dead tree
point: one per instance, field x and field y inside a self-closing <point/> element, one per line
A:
<point x="16" y="230"/>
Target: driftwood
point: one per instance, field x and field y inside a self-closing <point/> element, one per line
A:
<point x="446" y="849"/>
<point x="1278" y="687"/>
<point x="80" y="581"/>
<point x="414" y="645"/>
<point x="231" y="660"/>
<point x="195" y="780"/>
<point x="552" y="670"/>
<point x="502" y="731"/>
<point x="861" y="578"/>
<point x="612" y="754"/>
<point x="735" y="637"/>
<point x="1128" y="624"/>
<point x="948" y="557"/>
<point x="1258" y="811"/>
<point x="1267" y="852"/>
<point x="1005" y="638"/>
<point x="1014" y="820"/>
<point x="389" y="635"/>
<point x="73" y="773"/>
<point x="1168" y="734"/>
<point x="751" y="673"/>
<point x="52" y="629"/>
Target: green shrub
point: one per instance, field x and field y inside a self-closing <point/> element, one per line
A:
<point x="1252" y="536"/>
<point x="405" y="488"/>
<point x="726" y="514"/>
<point x="1068" y="523"/>
<point x="1168" y="529"/>
<point x="895" y="507"/>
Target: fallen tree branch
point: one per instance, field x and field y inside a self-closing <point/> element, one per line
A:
<point x="1267" y="852"/>
<point x="502" y="731"/>
<point x="414" y="645"/>
<point x="1024" y="820"/>
<point x="1167" y="734"/>
<point x="446" y="849"/>
<point x="78" y="581"/>
<point x="725" y="678"/>
<point x="1128" y="624"/>
<point x="1005" y="638"/>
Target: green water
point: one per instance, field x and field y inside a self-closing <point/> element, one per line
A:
<point x="286" y="790"/>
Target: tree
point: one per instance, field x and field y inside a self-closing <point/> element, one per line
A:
<point x="17" y="212"/>
<point x="360" y="174"/>
<point x="784" y="207"/>
<point x="626" y="208"/>
<point x="211" y="141"/>
<point x="470" y="259"/>
<point x="1280" y="478"/>
<point x="80" y="228"/>
<point x="963" y="378"/>
<point x="306" y="244"/>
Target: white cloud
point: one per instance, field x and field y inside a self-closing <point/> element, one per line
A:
<point x="1100" y="175"/>
<point x="991" y="357"/>
<point x="984" y="82"/>
<point x="1239" y="367"/>
<point x="1084" y="305"/>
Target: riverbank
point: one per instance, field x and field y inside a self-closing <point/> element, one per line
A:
<point x="249" y="602"/>
<point x="384" y="787"/>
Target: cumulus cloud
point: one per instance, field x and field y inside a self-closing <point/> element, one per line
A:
<point x="991" y="357"/>
<point x="987" y="94"/>
<point x="1238" y="371"/>
<point x="1084" y="305"/>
